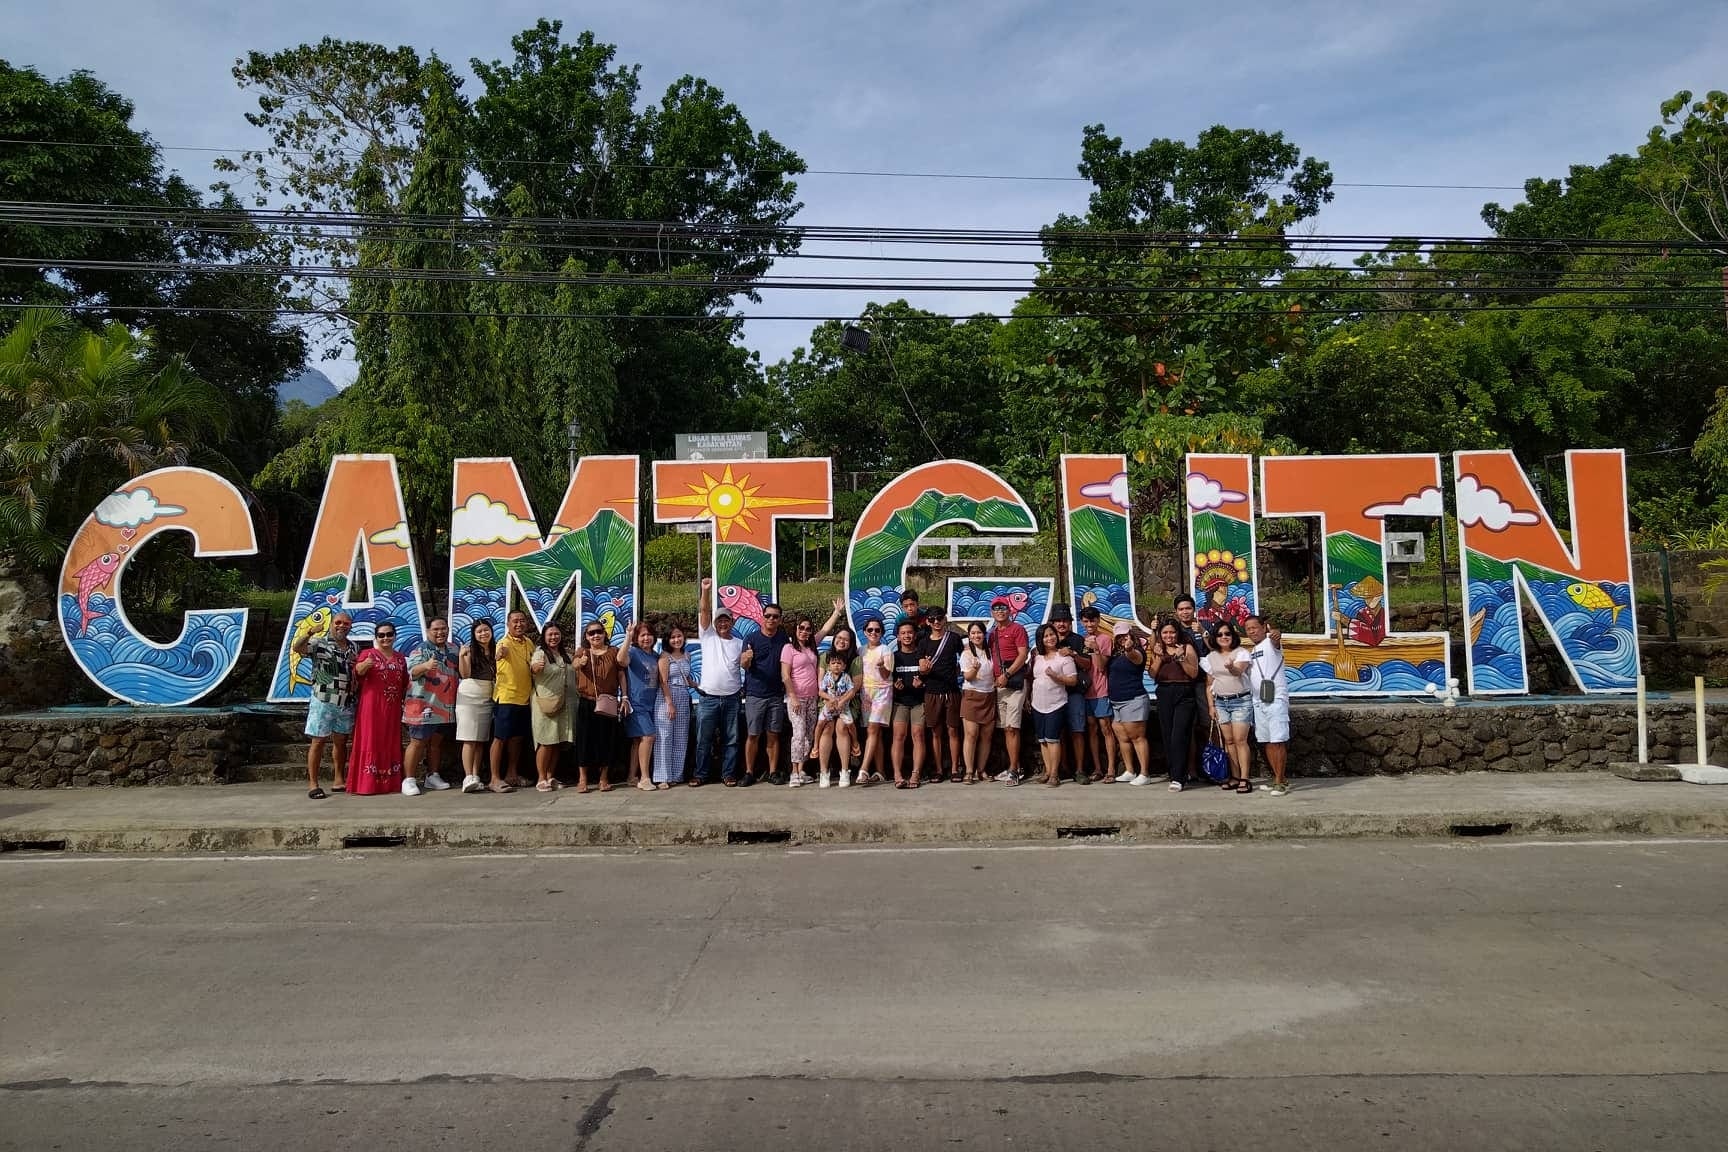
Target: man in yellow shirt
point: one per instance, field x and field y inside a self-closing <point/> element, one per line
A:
<point x="512" y="686"/>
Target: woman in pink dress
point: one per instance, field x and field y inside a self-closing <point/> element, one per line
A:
<point x="375" y="757"/>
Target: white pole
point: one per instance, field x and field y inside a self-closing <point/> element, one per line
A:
<point x="1698" y="701"/>
<point x="1643" y="726"/>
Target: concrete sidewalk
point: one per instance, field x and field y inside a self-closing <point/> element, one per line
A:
<point x="279" y="817"/>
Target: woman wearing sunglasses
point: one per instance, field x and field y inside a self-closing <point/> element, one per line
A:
<point x="375" y="761"/>
<point x="599" y="679"/>
<point x="878" y="700"/>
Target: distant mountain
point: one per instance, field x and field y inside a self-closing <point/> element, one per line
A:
<point x="311" y="387"/>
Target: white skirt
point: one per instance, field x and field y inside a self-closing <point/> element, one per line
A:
<point x="474" y="711"/>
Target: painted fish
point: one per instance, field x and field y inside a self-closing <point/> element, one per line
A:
<point x="91" y="578"/>
<point x="316" y="624"/>
<point x="1594" y="598"/>
<point x="1087" y="601"/>
<point x="608" y="619"/>
<point x="743" y="603"/>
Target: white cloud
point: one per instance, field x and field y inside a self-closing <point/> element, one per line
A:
<point x="1424" y="503"/>
<point x="1205" y="493"/>
<point x="1115" y="489"/>
<point x="484" y="521"/>
<point x="1479" y="505"/>
<point x="397" y="535"/>
<point x="132" y="509"/>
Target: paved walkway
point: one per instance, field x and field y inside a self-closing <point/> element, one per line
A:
<point x="272" y="817"/>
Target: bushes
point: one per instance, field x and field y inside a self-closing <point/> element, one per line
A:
<point x="671" y="557"/>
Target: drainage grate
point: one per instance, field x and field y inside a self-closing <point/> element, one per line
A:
<point x="32" y="845"/>
<point x="1480" y="829"/>
<point x="1088" y="831"/>
<point x="758" y="835"/>
<point x="374" y="841"/>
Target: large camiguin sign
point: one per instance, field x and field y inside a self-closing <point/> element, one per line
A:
<point x="1511" y="555"/>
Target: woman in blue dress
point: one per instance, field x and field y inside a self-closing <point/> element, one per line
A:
<point x="672" y="717"/>
<point x="642" y="687"/>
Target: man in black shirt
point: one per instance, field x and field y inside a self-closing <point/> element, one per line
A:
<point x="764" y="693"/>
<point x="1195" y="632"/>
<point x="910" y="658"/>
<point x="942" y="692"/>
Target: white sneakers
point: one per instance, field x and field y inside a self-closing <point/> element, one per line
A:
<point x="1127" y="777"/>
<point x="796" y="780"/>
<point x="822" y="779"/>
<point x="1139" y="781"/>
<point x="410" y="786"/>
<point x="472" y="784"/>
<point x="436" y="782"/>
<point x="1175" y="786"/>
<point x="845" y="780"/>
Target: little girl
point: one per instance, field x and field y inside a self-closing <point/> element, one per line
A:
<point x="836" y="695"/>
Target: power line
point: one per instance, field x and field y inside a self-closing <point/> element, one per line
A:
<point x="757" y="171"/>
<point x="1243" y="313"/>
<point x="1359" y="285"/>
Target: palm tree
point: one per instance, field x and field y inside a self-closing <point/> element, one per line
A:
<point x="80" y="413"/>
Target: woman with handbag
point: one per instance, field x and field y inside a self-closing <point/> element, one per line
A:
<point x="550" y="722"/>
<point x="642" y="690"/>
<point x="1232" y="704"/>
<point x="599" y="706"/>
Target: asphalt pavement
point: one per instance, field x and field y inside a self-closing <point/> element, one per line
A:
<point x="1398" y="994"/>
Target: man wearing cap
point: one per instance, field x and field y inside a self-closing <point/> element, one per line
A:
<point x="717" y="691"/>
<point x="941" y="666"/>
<point x="1009" y="651"/>
<point x="1071" y="642"/>
<point x="1099" y="720"/>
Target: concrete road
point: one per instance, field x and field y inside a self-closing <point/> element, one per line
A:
<point x="1410" y="995"/>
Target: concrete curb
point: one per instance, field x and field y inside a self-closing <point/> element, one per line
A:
<point x="768" y="822"/>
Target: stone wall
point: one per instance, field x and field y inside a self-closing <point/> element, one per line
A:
<point x="1391" y="739"/>
<point x="123" y="746"/>
<point x="127" y="746"/>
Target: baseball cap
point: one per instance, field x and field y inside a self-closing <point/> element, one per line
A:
<point x="1002" y="602"/>
<point x="1123" y="628"/>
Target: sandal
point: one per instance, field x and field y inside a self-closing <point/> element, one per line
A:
<point x="645" y="785"/>
<point x="606" y="786"/>
<point x="899" y="783"/>
<point x="317" y="794"/>
<point x="501" y="789"/>
<point x="1244" y="787"/>
<point x="581" y="789"/>
<point x="338" y="788"/>
<point x="543" y="786"/>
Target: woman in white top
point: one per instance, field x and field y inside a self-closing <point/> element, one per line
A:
<point x="1232" y="705"/>
<point x="1053" y="673"/>
<point x="977" y="702"/>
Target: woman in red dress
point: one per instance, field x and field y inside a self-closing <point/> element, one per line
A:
<point x="375" y="758"/>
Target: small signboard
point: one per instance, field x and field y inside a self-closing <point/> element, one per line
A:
<point x="720" y="445"/>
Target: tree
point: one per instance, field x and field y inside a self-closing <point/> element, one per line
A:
<point x="80" y="147"/>
<point x="1685" y="169"/>
<point x="82" y="411"/>
<point x="924" y="390"/>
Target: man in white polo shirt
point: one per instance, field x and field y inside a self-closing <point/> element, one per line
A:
<point x="1266" y="678"/>
<point x="717" y="690"/>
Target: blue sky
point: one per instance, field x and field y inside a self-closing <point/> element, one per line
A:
<point x="1387" y="92"/>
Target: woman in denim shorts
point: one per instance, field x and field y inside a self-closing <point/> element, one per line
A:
<point x="1233" y="705"/>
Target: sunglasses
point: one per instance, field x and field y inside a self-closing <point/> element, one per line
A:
<point x="593" y="633"/>
<point x="385" y="635"/>
<point x="872" y="631"/>
<point x="770" y="615"/>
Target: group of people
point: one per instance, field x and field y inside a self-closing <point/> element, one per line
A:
<point x="920" y="702"/>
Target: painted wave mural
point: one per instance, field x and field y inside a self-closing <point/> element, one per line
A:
<point x="130" y="667"/>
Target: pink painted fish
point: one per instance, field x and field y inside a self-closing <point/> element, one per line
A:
<point x="91" y="578"/>
<point x="743" y="603"/>
<point x="1017" y="602"/>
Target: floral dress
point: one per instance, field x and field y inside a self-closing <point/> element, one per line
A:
<point x="375" y="760"/>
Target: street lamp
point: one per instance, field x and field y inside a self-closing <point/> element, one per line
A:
<point x="574" y="431"/>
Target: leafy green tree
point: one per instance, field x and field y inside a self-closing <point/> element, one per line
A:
<point x="82" y="411"/>
<point x="923" y="391"/>
<point x="1684" y="166"/>
<point x="80" y="146"/>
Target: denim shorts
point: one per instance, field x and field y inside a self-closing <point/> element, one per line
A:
<point x="1237" y="709"/>
<point x="1049" y="725"/>
<point x="1076" y="711"/>
<point x="427" y="731"/>
<point x="1099" y="708"/>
